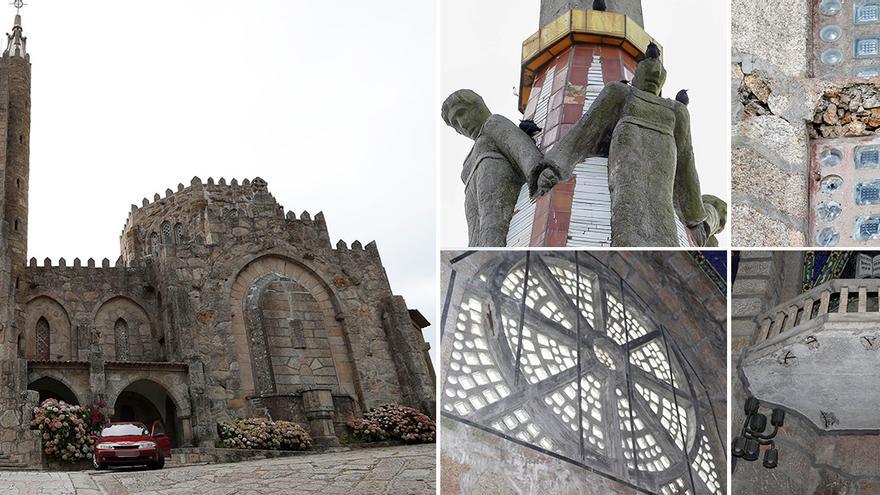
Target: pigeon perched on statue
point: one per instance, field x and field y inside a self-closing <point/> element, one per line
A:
<point x="529" y="127"/>
<point x="599" y="5"/>
<point x="653" y="51"/>
<point x="682" y="97"/>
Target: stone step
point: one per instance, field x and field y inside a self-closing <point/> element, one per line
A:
<point x="15" y="466"/>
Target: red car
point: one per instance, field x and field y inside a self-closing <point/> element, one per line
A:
<point x="131" y="443"/>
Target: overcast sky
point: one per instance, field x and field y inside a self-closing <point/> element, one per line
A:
<point x="333" y="103"/>
<point x="480" y="49"/>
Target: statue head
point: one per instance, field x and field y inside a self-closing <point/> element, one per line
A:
<point x="650" y="74"/>
<point x="466" y="112"/>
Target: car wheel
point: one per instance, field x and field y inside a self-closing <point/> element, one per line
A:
<point x="98" y="465"/>
<point x="160" y="463"/>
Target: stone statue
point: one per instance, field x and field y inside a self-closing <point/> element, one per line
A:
<point x="502" y="160"/>
<point x="651" y="170"/>
<point x="716" y="218"/>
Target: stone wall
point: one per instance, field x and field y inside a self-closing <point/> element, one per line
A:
<point x="225" y="238"/>
<point x="770" y="160"/>
<point x="847" y="111"/>
<point x="810" y="461"/>
<point x="474" y="461"/>
<point x="778" y="107"/>
<point x="83" y="304"/>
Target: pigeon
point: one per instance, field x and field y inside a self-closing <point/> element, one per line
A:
<point x="529" y="127"/>
<point x="599" y="5"/>
<point x="653" y="51"/>
<point x="682" y="97"/>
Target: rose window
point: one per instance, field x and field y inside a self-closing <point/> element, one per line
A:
<point x="628" y="408"/>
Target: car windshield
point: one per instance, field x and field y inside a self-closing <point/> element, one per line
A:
<point x="124" y="430"/>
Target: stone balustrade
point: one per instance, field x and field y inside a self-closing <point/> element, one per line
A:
<point x="835" y="296"/>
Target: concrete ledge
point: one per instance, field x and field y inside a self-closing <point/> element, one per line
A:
<point x="213" y="455"/>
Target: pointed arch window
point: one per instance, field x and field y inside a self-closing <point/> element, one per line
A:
<point x="178" y="233"/>
<point x="557" y="354"/>
<point x="166" y="232"/>
<point x="120" y="333"/>
<point x="154" y="244"/>
<point x="43" y="336"/>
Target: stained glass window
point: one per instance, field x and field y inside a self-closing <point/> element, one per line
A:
<point x="868" y="193"/>
<point x="867" y="47"/>
<point x="626" y="400"/>
<point x="867" y="228"/>
<point x="43" y="339"/>
<point x="120" y="333"/>
<point x="866" y="12"/>
<point x="166" y="232"/>
<point x="867" y="156"/>
<point x="178" y="233"/>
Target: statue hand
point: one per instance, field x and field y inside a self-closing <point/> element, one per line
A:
<point x="700" y="234"/>
<point x="546" y="181"/>
<point x="544" y="176"/>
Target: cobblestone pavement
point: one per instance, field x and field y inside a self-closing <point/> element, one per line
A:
<point x="391" y="470"/>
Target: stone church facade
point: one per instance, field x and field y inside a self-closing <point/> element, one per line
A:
<point x="221" y="305"/>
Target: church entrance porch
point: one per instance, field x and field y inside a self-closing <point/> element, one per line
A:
<point x="147" y="402"/>
<point x="149" y="392"/>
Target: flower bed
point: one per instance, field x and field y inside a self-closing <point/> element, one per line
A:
<point x="259" y="433"/>
<point x="393" y="422"/>
<point x="66" y="430"/>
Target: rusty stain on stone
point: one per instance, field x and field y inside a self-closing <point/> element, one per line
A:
<point x="205" y="316"/>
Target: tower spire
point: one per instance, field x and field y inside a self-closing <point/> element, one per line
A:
<point x="17" y="42"/>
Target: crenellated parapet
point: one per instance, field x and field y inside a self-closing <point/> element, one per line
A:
<point x="358" y="251"/>
<point x="212" y="214"/>
<point x="77" y="263"/>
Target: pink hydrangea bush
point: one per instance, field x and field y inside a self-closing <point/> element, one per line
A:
<point x="66" y="430"/>
<point x="260" y="433"/>
<point x="393" y="422"/>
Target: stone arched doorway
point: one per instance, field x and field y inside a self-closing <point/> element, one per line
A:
<point x="147" y="401"/>
<point x="288" y="336"/>
<point x="50" y="388"/>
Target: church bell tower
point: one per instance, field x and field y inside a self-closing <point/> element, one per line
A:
<point x="565" y="65"/>
<point x="15" y="122"/>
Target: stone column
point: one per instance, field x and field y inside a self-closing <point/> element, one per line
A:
<point x="202" y="427"/>
<point x="97" y="376"/>
<point x="318" y="406"/>
<point x="186" y="434"/>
